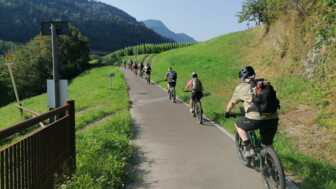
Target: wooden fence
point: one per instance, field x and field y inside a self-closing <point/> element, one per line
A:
<point x="33" y="160"/>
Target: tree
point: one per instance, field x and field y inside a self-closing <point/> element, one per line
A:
<point x="34" y="65"/>
<point x="254" y="11"/>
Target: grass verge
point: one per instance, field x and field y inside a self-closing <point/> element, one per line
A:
<point x="104" y="122"/>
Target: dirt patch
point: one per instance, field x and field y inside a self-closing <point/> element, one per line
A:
<point x="318" y="142"/>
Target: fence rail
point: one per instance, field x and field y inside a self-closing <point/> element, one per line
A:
<point x="33" y="161"/>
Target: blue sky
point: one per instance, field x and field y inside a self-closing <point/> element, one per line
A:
<point x="202" y="19"/>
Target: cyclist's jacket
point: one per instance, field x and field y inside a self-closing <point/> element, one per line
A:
<point x="171" y="77"/>
<point x="244" y="93"/>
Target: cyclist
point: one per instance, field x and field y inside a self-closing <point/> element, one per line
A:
<point x="171" y="78"/>
<point x="141" y="69"/>
<point x="267" y="123"/>
<point x="148" y="71"/>
<point x="135" y="68"/>
<point x="130" y="64"/>
<point x="195" y="86"/>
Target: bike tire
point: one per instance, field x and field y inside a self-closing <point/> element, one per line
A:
<point x="171" y="94"/>
<point x="174" y="96"/>
<point x="199" y="113"/>
<point x="274" y="174"/>
<point x="239" y="150"/>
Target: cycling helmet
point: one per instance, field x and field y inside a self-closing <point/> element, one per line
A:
<point x="247" y="73"/>
<point x="194" y="75"/>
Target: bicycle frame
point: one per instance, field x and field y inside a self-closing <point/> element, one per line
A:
<point x="258" y="148"/>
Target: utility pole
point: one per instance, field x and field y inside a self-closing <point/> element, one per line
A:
<point x="55" y="65"/>
<point x="14" y="87"/>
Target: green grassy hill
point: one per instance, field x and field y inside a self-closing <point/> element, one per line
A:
<point x="218" y="62"/>
<point x="103" y="127"/>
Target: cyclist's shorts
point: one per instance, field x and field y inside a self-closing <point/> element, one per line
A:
<point x="267" y="128"/>
<point x="196" y="96"/>
<point x="172" y="84"/>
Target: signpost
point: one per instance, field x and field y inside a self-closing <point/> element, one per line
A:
<point x="55" y="28"/>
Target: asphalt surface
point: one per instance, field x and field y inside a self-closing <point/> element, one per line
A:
<point x="175" y="152"/>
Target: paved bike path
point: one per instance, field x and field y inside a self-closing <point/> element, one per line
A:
<point x="178" y="153"/>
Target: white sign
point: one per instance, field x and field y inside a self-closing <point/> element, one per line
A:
<point x="51" y="92"/>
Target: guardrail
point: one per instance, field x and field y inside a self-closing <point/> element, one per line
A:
<point x="32" y="161"/>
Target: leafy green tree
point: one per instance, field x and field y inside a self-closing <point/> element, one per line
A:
<point x="34" y="64"/>
<point x="254" y="11"/>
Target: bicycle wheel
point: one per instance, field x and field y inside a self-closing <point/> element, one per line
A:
<point x="240" y="150"/>
<point x="272" y="172"/>
<point x="199" y="112"/>
<point x="174" y="95"/>
<point x="148" y="80"/>
<point x="169" y="94"/>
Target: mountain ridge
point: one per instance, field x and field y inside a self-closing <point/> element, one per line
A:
<point x="107" y="27"/>
<point x="160" y="28"/>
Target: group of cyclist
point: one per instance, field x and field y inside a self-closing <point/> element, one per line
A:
<point x="260" y="104"/>
<point x="139" y="69"/>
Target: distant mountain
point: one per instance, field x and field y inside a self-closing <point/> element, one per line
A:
<point x="160" y="28"/>
<point x="108" y="28"/>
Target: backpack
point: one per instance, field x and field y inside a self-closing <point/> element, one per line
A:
<point x="148" y="69"/>
<point x="172" y="76"/>
<point x="197" y="86"/>
<point x="265" y="100"/>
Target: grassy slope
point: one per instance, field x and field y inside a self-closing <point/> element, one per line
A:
<point x="103" y="125"/>
<point x="218" y="62"/>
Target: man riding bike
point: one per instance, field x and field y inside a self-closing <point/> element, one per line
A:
<point x="141" y="71"/>
<point x="135" y="68"/>
<point x="171" y="78"/>
<point x="148" y="71"/>
<point x="254" y="119"/>
<point x="195" y="86"/>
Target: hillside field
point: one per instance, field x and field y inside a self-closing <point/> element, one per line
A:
<point x="218" y="62"/>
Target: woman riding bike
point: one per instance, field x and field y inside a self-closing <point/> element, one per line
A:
<point x="195" y="86"/>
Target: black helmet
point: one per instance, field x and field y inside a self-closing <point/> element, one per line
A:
<point x="247" y="72"/>
<point x="194" y="75"/>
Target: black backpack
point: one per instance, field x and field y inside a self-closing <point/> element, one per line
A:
<point x="172" y="76"/>
<point x="265" y="99"/>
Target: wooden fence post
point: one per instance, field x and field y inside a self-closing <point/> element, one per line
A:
<point x="72" y="129"/>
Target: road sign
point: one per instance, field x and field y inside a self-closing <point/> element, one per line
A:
<point x="62" y="27"/>
<point x="63" y="93"/>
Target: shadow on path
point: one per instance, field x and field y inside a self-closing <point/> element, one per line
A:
<point x="137" y="171"/>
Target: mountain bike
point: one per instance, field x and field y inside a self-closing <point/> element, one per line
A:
<point x="172" y="94"/>
<point x="265" y="160"/>
<point x="148" y="78"/>
<point x="197" y="110"/>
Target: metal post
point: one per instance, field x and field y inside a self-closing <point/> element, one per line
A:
<point x="14" y="87"/>
<point x="55" y="65"/>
